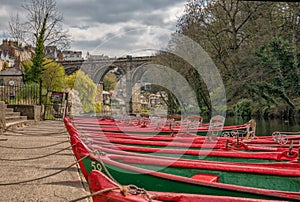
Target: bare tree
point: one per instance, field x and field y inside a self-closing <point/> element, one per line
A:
<point x="38" y="11"/>
<point x="15" y="28"/>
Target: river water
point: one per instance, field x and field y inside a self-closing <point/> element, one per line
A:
<point x="268" y="126"/>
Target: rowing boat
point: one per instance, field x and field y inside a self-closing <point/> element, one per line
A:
<point x="180" y="175"/>
<point x="160" y="126"/>
<point x="240" y="133"/>
<point x="104" y="189"/>
<point x="192" y="139"/>
<point x="191" y="150"/>
<point x="189" y="147"/>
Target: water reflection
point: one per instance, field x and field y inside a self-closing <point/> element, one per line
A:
<point x="268" y="126"/>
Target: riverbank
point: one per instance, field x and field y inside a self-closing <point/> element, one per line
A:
<point x="40" y="154"/>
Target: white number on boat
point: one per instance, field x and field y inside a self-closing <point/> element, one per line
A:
<point x="96" y="166"/>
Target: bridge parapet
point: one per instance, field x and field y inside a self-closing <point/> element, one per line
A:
<point x="72" y="66"/>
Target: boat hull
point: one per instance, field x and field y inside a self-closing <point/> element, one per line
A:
<point x="98" y="182"/>
<point x="157" y="175"/>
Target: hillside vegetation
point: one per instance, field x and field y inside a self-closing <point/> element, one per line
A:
<point x="255" y="46"/>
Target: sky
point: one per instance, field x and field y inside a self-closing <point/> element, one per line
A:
<point x="110" y="27"/>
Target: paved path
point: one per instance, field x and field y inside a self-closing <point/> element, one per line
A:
<point x="64" y="186"/>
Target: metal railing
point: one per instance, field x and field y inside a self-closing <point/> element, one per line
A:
<point x="24" y="94"/>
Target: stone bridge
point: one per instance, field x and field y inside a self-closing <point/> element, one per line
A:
<point x="129" y="67"/>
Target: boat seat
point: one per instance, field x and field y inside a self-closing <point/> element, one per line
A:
<point x="206" y="177"/>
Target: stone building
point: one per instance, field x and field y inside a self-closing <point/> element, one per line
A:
<point x="13" y="53"/>
<point x="10" y="81"/>
<point x="11" y="77"/>
<point x="69" y="55"/>
<point x="51" y="52"/>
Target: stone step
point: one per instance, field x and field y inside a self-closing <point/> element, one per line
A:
<point x="8" y="110"/>
<point x="10" y="119"/>
<point x="14" y="120"/>
<point x="18" y="124"/>
<point x="9" y="114"/>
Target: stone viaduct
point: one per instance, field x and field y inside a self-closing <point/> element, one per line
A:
<point x="130" y="68"/>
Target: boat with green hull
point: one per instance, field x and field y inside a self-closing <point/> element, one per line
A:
<point x="174" y="178"/>
<point x="180" y="175"/>
<point x="105" y="189"/>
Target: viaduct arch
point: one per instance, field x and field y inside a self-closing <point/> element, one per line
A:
<point x="129" y="67"/>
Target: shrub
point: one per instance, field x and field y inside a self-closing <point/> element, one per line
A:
<point x="242" y="107"/>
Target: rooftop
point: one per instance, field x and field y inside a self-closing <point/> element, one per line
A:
<point x="11" y="72"/>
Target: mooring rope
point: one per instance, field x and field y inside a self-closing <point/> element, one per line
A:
<point x="95" y="193"/>
<point x="37" y="147"/>
<point x="43" y="177"/>
<point x="40" y="134"/>
<point x="99" y="153"/>
<point x="38" y="157"/>
<point x="106" y="170"/>
<point x="80" y="176"/>
<point x="124" y="190"/>
<point x="132" y="189"/>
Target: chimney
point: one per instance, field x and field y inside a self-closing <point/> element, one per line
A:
<point x="15" y="43"/>
<point x="4" y="42"/>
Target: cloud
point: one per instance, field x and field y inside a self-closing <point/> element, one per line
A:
<point x="112" y="11"/>
<point x="114" y="21"/>
<point x="7" y="9"/>
<point x="95" y="22"/>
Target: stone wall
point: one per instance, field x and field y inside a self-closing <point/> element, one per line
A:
<point x="33" y="112"/>
<point x="17" y="80"/>
<point x="2" y="117"/>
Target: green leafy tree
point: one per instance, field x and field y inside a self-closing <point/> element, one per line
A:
<point x="53" y="74"/>
<point x="53" y="77"/>
<point x="35" y="73"/>
<point x="230" y="31"/>
<point x="42" y="27"/>
<point x="109" y="82"/>
<point x="276" y="59"/>
<point x="226" y="30"/>
<point x="86" y="88"/>
<point x="243" y="107"/>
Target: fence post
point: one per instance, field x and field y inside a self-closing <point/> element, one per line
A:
<point x="40" y="92"/>
<point x="2" y="117"/>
